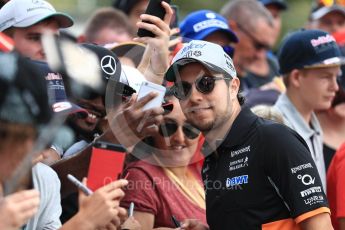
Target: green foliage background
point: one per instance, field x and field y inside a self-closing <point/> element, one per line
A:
<point x="294" y="18"/>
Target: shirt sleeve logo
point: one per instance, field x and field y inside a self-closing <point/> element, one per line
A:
<point x="306" y="179"/>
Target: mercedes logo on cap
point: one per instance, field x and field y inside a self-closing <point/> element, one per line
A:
<point x="108" y="64"/>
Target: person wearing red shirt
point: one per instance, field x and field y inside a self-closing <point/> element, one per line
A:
<point x="336" y="189"/>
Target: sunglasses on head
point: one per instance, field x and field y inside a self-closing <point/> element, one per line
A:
<point x="169" y="128"/>
<point x="204" y="84"/>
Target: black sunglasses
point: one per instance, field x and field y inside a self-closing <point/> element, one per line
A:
<point x="168" y="128"/>
<point x="204" y="84"/>
<point x="258" y="45"/>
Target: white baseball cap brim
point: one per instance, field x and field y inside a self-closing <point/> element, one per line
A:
<point x="172" y="73"/>
<point x="316" y="15"/>
<point x="25" y="13"/>
<point x="63" y="20"/>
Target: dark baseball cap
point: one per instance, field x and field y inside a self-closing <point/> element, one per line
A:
<point x="308" y="49"/>
<point x="109" y="66"/>
<point x="281" y="4"/>
<point x="56" y="91"/>
<point x="23" y="92"/>
<point x="108" y="61"/>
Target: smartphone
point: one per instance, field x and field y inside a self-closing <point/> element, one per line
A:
<point x="175" y="17"/>
<point x="106" y="164"/>
<point x="147" y="87"/>
<point x="154" y="8"/>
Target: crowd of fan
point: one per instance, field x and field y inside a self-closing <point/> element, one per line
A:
<point x="51" y="117"/>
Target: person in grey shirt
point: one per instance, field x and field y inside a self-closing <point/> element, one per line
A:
<point x="47" y="183"/>
<point x="310" y="63"/>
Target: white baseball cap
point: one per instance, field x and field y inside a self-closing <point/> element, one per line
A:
<point x="211" y="55"/>
<point x="25" y="13"/>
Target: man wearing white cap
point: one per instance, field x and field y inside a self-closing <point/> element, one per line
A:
<point x="26" y="20"/>
<point x="257" y="174"/>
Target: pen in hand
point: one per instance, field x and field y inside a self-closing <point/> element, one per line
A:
<point x="80" y="185"/>
<point x="131" y="209"/>
<point x="175" y="221"/>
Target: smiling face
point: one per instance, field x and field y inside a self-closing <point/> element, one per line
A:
<point x="212" y="110"/>
<point x="177" y="149"/>
<point x="95" y="110"/>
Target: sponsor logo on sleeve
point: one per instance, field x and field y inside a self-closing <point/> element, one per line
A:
<point x="311" y="190"/>
<point x="237" y="180"/>
<point x="301" y="167"/>
<point x="314" y="200"/>
<point x="306" y="179"/>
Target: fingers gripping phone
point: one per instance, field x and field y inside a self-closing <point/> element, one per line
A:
<point x="154" y="8"/>
<point x="147" y="87"/>
<point x="106" y="164"/>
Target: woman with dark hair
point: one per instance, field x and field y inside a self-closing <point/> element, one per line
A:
<point x="165" y="182"/>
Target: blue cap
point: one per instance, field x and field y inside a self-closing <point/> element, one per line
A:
<point x="23" y="92"/>
<point x="200" y="24"/>
<point x="281" y="4"/>
<point x="56" y="91"/>
<point x="308" y="49"/>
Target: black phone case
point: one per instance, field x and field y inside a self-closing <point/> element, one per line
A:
<point x="154" y="8"/>
<point x="110" y="146"/>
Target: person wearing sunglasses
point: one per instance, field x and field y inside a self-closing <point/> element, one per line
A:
<point x="208" y="26"/>
<point x="257" y="33"/>
<point x="258" y="174"/>
<point x="254" y="27"/>
<point x="172" y="185"/>
<point x="87" y="128"/>
<point x="262" y="71"/>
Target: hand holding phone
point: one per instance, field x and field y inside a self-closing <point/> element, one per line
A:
<point x="146" y="88"/>
<point x="154" y="8"/>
